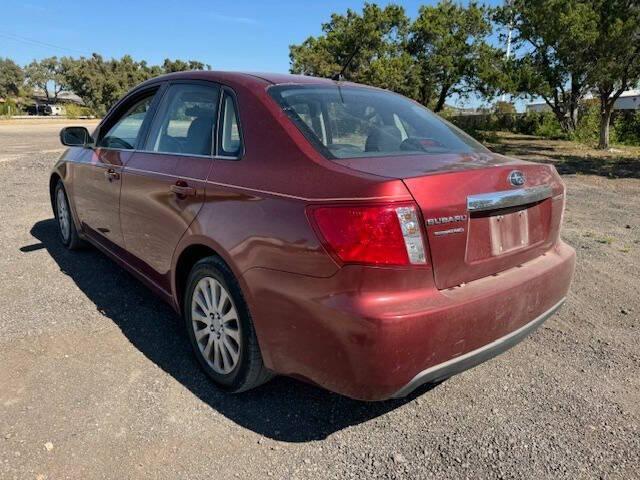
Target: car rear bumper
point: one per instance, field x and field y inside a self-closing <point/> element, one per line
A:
<point x="475" y="357"/>
<point x="378" y="333"/>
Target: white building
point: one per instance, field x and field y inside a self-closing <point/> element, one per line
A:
<point x="629" y="100"/>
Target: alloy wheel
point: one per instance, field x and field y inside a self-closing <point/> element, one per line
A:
<point x="216" y="325"/>
<point x="64" y="219"/>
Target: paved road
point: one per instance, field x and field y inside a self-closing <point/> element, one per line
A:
<point x="97" y="381"/>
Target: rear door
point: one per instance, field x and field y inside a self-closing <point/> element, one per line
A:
<point x="97" y="174"/>
<point x="163" y="184"/>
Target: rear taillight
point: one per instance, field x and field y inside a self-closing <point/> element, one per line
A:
<point x="376" y="234"/>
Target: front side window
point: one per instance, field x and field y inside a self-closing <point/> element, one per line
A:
<point x="185" y="121"/>
<point x="124" y="132"/>
<point x="230" y="142"/>
<point x="348" y="122"/>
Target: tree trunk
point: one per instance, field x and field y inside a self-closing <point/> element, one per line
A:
<point x="605" y="120"/>
<point x="566" y="123"/>
<point x="563" y="119"/>
<point x="425" y="93"/>
<point x="574" y="117"/>
<point x="441" y="99"/>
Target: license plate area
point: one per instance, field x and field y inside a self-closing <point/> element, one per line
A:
<point x="509" y="232"/>
<point x="506" y="231"/>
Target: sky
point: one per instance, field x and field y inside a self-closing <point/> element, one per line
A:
<point x="247" y="35"/>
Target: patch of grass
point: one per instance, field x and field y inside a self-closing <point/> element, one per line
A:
<point x="605" y="240"/>
<point x="76" y="111"/>
<point x="569" y="157"/>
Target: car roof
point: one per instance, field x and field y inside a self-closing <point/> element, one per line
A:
<point x="261" y="78"/>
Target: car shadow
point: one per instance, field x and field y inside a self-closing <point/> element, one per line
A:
<point x="283" y="409"/>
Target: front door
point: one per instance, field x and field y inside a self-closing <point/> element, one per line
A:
<point x="163" y="184"/>
<point x="98" y="173"/>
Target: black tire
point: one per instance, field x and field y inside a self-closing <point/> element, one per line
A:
<point x="249" y="371"/>
<point x="69" y="237"/>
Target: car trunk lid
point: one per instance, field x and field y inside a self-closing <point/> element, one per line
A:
<point x="478" y="223"/>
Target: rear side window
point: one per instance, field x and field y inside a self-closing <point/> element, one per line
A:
<point x="123" y="134"/>
<point x="230" y="141"/>
<point x="348" y="122"/>
<point x="185" y="121"/>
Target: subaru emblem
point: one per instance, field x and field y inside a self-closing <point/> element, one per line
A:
<point x="516" y="178"/>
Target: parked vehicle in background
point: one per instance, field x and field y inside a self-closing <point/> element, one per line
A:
<point x="35" y="109"/>
<point x="54" y="110"/>
<point x="45" y="109"/>
<point x="325" y="230"/>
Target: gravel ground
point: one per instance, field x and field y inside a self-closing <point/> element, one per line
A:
<point x="97" y="381"/>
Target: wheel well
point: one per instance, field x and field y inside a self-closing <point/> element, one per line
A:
<point x="53" y="181"/>
<point x="186" y="261"/>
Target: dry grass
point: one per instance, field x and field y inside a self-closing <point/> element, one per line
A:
<point x="568" y="156"/>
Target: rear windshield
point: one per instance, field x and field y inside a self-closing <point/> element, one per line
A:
<point x="349" y="122"/>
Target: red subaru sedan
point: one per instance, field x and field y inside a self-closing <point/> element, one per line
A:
<point x="330" y="231"/>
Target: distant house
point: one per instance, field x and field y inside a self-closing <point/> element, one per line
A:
<point x="538" y="107"/>
<point x="629" y="100"/>
<point x="63" y="97"/>
<point x="465" y="110"/>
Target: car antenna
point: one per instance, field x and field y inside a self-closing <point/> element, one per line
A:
<point x="338" y="77"/>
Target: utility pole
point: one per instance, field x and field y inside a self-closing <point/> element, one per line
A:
<point x="508" y="2"/>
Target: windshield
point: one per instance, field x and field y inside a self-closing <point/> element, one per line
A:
<point x="349" y="122"/>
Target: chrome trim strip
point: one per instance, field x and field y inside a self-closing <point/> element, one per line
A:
<point x="475" y="357"/>
<point x="507" y="198"/>
<point x="134" y="150"/>
<point x="175" y="154"/>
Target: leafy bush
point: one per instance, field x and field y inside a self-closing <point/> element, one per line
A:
<point x="10" y="107"/>
<point x="504" y="107"/>
<point x="75" y="111"/>
<point x="549" y="127"/>
<point x="543" y="124"/>
<point x="626" y="127"/>
<point x="527" y="123"/>
<point x="588" y="129"/>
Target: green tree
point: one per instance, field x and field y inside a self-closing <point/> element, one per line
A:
<point x="170" y="66"/>
<point x="615" y="55"/>
<point x="552" y="40"/>
<point x="46" y="75"/>
<point x="443" y="52"/>
<point x="101" y="83"/>
<point x="377" y="40"/>
<point x="11" y="78"/>
<point x="449" y="42"/>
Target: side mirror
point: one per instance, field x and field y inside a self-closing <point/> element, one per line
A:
<point x="75" y="137"/>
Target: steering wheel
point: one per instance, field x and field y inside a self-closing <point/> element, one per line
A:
<point x="117" y="142"/>
<point x="421" y="144"/>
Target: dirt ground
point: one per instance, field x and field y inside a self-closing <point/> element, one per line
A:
<point x="620" y="161"/>
<point x="97" y="380"/>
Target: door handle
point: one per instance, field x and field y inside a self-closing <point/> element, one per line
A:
<point x="183" y="191"/>
<point x="111" y="174"/>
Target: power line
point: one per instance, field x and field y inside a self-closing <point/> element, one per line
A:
<point x="32" y="41"/>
